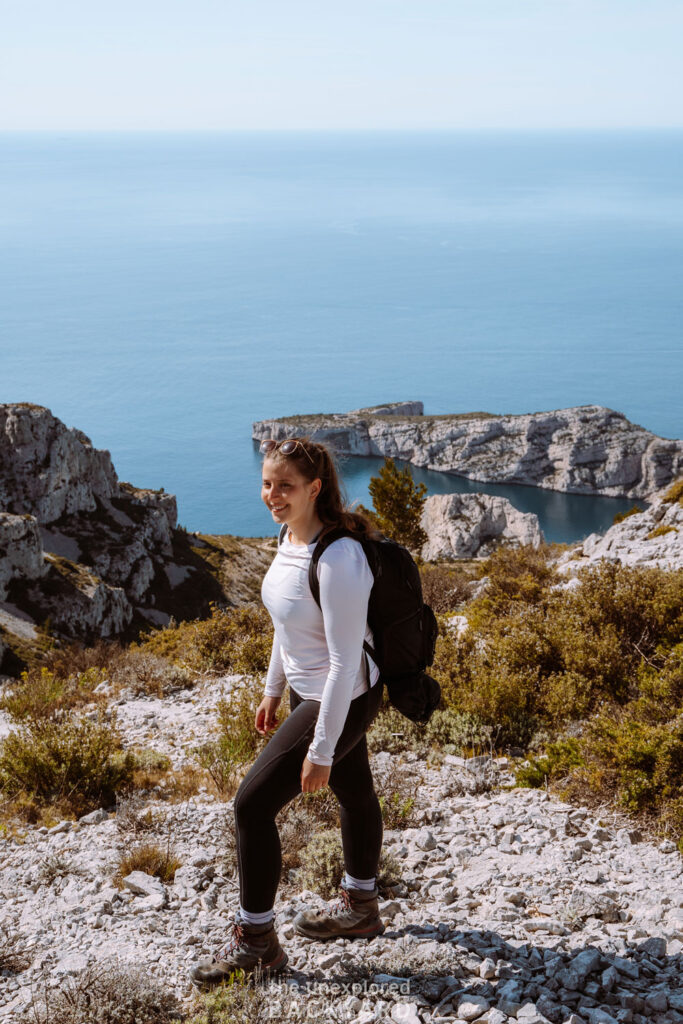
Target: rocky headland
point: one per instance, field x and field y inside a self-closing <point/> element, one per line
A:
<point x="586" y="449"/>
<point x="93" y="556"/>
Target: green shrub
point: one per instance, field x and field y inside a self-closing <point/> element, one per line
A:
<point x="393" y="732"/>
<point x="245" y="999"/>
<point x="558" y="761"/>
<point x="516" y="575"/>
<point x="74" y="763"/>
<point x="458" y="729"/>
<point x="398" y="503"/>
<point x="233" y="640"/>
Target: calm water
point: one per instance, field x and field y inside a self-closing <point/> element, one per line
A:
<point x="163" y="292"/>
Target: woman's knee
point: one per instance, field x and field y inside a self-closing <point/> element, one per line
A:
<point x="354" y="797"/>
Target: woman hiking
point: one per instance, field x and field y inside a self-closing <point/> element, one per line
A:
<point x="334" y="695"/>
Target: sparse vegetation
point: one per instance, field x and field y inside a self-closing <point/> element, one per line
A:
<point x="14" y="954"/>
<point x="151" y="858"/>
<point x="674" y="492"/>
<point x="661" y="530"/>
<point x="226" y="757"/>
<point x="620" y="516"/>
<point x="108" y="992"/>
<point x="322" y="865"/>
<point x="245" y="999"/>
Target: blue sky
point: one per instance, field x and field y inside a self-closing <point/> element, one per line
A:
<point x="340" y="64"/>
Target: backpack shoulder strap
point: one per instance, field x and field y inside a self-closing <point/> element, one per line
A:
<point x="282" y="534"/>
<point x="320" y="547"/>
<point x="314" y="583"/>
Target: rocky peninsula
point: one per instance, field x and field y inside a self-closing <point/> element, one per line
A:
<point x="585" y="449"/>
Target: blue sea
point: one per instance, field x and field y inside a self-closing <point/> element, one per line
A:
<point x="163" y="291"/>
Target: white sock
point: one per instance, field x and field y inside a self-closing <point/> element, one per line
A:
<point x="359" y="883"/>
<point x="262" y="918"/>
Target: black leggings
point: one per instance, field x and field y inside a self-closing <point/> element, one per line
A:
<point x="275" y="778"/>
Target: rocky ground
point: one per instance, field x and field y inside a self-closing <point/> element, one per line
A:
<point x="511" y="904"/>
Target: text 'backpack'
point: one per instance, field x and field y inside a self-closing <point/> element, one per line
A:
<point x="403" y="626"/>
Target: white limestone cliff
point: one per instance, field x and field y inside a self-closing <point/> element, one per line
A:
<point x="584" y="449"/>
<point x="653" y="537"/>
<point x="472" y="525"/>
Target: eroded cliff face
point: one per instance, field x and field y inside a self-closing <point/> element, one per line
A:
<point x="473" y="525"/>
<point x="95" y="556"/>
<point x="653" y="538"/>
<point x="585" y="449"/>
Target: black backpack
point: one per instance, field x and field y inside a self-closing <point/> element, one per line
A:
<point x="403" y="626"/>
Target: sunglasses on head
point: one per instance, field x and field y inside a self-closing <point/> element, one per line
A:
<point x="284" y="447"/>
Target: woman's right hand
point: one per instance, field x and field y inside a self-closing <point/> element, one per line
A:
<point x="266" y="715"/>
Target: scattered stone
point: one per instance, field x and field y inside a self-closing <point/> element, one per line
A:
<point x="472" y="1007"/>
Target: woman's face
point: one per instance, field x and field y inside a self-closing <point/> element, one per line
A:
<point x="288" y="494"/>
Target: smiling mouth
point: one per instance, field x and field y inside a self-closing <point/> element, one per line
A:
<point x="277" y="508"/>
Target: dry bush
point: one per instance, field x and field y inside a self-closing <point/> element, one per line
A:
<point x="150" y="858"/>
<point x="134" y="817"/>
<point x="444" y="588"/>
<point x="75" y="658"/>
<point x="14" y="955"/>
<point x="107" y="993"/>
<point x="150" y="767"/>
<point x="124" y="667"/>
<point x="396" y="786"/>
<point x="675" y="492"/>
<point x="181" y="784"/>
<point x="54" y="866"/>
<point x="621" y="516"/>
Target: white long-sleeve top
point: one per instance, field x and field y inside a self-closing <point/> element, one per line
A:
<point x="320" y="652"/>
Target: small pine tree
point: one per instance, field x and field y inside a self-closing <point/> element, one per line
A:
<point x="398" y="502"/>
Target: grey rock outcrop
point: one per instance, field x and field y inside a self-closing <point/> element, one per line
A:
<point x="47" y="469"/>
<point x="470" y="525"/>
<point x="650" y="538"/>
<point x="21" y="550"/>
<point x="94" y="555"/>
<point x="585" y="449"/>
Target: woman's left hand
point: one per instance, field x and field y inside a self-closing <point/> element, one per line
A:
<point x="314" y="776"/>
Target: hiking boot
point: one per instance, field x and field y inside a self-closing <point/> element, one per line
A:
<point x="353" y="916"/>
<point x="250" y="946"/>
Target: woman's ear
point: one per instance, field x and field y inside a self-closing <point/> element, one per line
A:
<point x="316" y="487"/>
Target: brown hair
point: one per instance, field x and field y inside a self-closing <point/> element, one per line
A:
<point x="315" y="461"/>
